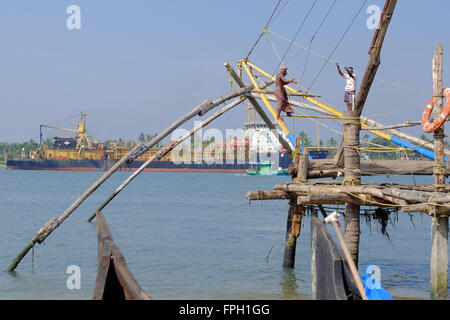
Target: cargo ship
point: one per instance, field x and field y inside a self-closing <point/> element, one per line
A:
<point x="79" y="153"/>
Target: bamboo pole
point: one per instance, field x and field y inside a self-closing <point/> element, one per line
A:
<point x="372" y="65"/>
<point x="54" y="223"/>
<point x="161" y="153"/>
<point x="394" y="126"/>
<point x="402" y="135"/>
<point x="439" y="225"/>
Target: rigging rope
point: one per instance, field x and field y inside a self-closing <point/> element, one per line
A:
<point x="337" y="45"/>
<point x="267" y="25"/>
<point x="296" y="34"/>
<point x="313" y="37"/>
<point x="334" y="61"/>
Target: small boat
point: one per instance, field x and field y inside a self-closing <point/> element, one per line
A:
<point x="330" y="273"/>
<point x="265" y="168"/>
<point x="114" y="279"/>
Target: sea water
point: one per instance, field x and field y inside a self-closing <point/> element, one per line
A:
<point x="185" y="236"/>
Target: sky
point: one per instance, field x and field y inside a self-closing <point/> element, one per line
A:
<point x="138" y="65"/>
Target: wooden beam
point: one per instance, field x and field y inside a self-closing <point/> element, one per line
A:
<point x="374" y="61"/>
<point x="258" y="195"/>
<point x="325" y="168"/>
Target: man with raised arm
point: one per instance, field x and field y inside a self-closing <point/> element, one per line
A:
<point x="350" y="86"/>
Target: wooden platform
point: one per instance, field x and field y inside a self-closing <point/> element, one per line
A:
<point x="410" y="198"/>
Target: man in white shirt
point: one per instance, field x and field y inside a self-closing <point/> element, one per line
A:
<point x="350" y="87"/>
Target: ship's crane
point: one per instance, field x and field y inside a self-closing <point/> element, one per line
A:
<point x="81" y="134"/>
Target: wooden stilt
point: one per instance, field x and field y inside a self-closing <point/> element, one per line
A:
<point x="293" y="227"/>
<point x="352" y="177"/>
<point x="439" y="225"/>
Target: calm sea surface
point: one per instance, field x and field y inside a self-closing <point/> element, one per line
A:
<point x="185" y="236"/>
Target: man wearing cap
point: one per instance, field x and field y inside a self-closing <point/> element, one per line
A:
<point x="280" y="93"/>
<point x="350" y="87"/>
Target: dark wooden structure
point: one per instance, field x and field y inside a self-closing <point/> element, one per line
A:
<point x="330" y="273"/>
<point x="114" y="279"/>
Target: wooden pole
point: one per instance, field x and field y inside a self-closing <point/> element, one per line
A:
<point x="372" y="65"/>
<point x="54" y="223"/>
<point x="302" y="173"/>
<point x="439" y="225"/>
<point x="318" y="135"/>
<point x="354" y="270"/>
<point x="293" y="226"/>
<point x="161" y="153"/>
<point x="374" y="61"/>
<point x="352" y="177"/>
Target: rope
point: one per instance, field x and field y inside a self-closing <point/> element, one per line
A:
<point x="278" y="232"/>
<point x="334" y="61"/>
<point x="392" y="112"/>
<point x="440" y="168"/>
<point x="337" y="45"/>
<point x="267" y="25"/>
<point x="313" y="37"/>
<point x="296" y="34"/>
<point x="353" y="181"/>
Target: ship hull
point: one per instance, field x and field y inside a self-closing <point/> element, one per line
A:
<point x="102" y="165"/>
<point x="284" y="161"/>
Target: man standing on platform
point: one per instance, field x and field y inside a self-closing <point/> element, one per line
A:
<point x="350" y="87"/>
<point x="280" y="93"/>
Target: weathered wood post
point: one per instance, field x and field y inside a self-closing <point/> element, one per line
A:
<point x="439" y="225"/>
<point x="352" y="176"/>
<point x="293" y="227"/>
<point x="294" y="220"/>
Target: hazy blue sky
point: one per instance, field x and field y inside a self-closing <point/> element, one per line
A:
<point x="135" y="66"/>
